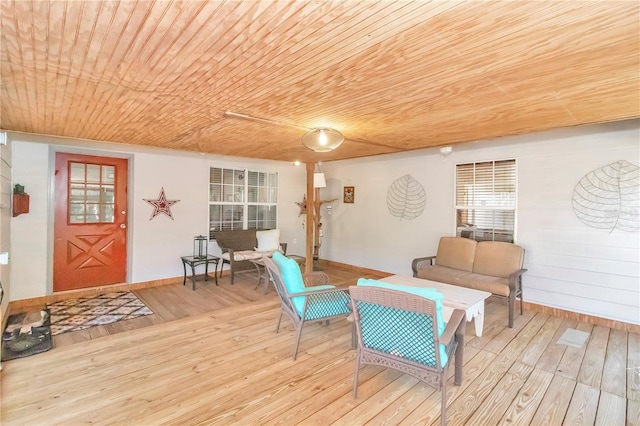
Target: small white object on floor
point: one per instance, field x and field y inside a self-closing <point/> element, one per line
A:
<point x="574" y="338"/>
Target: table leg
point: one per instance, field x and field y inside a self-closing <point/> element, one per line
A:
<point x="184" y="267"/>
<point x="267" y="278"/>
<point x="206" y="270"/>
<point x="193" y="275"/>
<point x="479" y="321"/>
<point x="259" y="275"/>
<point x="215" y="271"/>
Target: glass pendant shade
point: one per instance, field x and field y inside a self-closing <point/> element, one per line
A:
<point x="322" y="140"/>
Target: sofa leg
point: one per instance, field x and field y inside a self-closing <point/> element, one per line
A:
<point x="512" y="308"/>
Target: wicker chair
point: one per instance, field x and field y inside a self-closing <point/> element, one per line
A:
<point x="316" y="302"/>
<point x="399" y="330"/>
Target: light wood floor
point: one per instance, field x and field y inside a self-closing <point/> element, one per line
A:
<point x="212" y="357"/>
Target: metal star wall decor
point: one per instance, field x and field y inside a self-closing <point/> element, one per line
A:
<point x="161" y="205"/>
<point x="302" y="205"/>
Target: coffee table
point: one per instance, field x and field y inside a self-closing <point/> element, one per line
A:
<point x="300" y="260"/>
<point x="455" y="297"/>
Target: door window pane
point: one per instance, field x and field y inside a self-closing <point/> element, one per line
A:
<point x="91" y="193"/>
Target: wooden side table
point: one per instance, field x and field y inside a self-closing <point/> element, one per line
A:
<point x="194" y="261"/>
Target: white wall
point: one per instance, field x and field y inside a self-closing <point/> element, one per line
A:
<point x="6" y="192"/>
<point x="155" y="246"/>
<point x="571" y="266"/>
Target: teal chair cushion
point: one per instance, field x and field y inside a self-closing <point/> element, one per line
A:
<point x="407" y="327"/>
<point x="324" y="306"/>
<point x="290" y="272"/>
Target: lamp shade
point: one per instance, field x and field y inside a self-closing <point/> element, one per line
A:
<point x="322" y="140"/>
<point x="319" y="180"/>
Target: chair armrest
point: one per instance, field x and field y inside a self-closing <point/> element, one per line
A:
<point x="514" y="279"/>
<point x="420" y="262"/>
<point x="311" y="292"/>
<point x="456" y="322"/>
<point x="312" y="279"/>
<point x="283" y="246"/>
<point x="231" y="255"/>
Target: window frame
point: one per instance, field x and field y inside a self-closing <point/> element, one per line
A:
<point x="485" y="233"/>
<point x="264" y="209"/>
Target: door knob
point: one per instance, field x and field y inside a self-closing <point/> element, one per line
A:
<point x="122" y="225"/>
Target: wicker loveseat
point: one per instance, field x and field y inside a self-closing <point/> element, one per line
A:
<point x="240" y="246"/>
<point x="491" y="266"/>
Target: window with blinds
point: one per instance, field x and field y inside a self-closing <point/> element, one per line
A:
<point x="486" y="200"/>
<point x="242" y="199"/>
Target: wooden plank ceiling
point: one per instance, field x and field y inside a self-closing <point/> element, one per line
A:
<point x="390" y="75"/>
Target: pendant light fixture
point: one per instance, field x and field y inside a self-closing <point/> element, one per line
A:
<point x="323" y="139"/>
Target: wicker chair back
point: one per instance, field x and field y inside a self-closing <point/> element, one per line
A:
<point x="399" y="330"/>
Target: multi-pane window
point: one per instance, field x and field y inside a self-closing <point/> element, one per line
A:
<point x="242" y="199"/>
<point x="486" y="200"/>
<point x="92" y="193"/>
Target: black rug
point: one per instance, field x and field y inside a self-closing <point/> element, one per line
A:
<point x="26" y="333"/>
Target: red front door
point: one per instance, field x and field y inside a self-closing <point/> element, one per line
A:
<point x="90" y="235"/>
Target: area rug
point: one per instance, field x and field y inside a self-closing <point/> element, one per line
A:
<point x="26" y="333"/>
<point x="79" y="314"/>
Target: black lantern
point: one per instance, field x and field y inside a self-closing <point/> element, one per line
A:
<point x="200" y="247"/>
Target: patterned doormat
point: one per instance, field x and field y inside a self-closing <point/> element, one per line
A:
<point x="79" y="314"/>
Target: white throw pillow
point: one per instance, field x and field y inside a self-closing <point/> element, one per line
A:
<point x="268" y="240"/>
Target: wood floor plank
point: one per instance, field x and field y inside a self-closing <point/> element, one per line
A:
<point x="395" y="412"/>
<point x="370" y="407"/>
<point x="555" y="402"/>
<point x="494" y="323"/>
<point x="229" y="385"/>
<point x="532" y="353"/>
<point x="502" y="395"/>
<point x="569" y="365"/>
<point x="471" y="400"/>
<point x="525" y="404"/>
<point x="611" y="410"/>
<point x="211" y="356"/>
<point x="417" y="397"/>
<point x="553" y="353"/>
<point x="584" y="405"/>
<point x="338" y="407"/>
<point x="593" y="362"/>
<point x="614" y="372"/>
<point x="314" y="406"/>
<point x="429" y="411"/>
<point x="500" y="341"/>
<point x="633" y="413"/>
<point x="633" y="367"/>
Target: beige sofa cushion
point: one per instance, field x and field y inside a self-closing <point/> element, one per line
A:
<point x="495" y="285"/>
<point x="442" y="274"/>
<point x="456" y="253"/>
<point x="498" y="259"/>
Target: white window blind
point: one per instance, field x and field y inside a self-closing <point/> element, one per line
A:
<point x="486" y="200"/>
<point x="242" y="199"/>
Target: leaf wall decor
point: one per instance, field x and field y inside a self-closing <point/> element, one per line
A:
<point x="406" y="198"/>
<point x="609" y="197"/>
